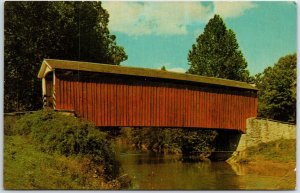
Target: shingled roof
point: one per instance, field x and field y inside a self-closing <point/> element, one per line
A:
<point x="49" y="65"/>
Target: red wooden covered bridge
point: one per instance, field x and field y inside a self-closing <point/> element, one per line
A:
<point x="111" y="95"/>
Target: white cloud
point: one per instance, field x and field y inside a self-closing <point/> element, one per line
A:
<point x="142" y="18"/>
<point x="177" y="69"/>
<point x="232" y="9"/>
<point x="167" y="18"/>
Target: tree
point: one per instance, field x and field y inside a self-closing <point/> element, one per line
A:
<point x="163" y="68"/>
<point x="197" y="142"/>
<point x="61" y="30"/>
<point x="187" y="141"/>
<point x="216" y="53"/>
<point x="277" y="90"/>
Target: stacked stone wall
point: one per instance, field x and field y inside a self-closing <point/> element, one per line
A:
<point x="263" y="131"/>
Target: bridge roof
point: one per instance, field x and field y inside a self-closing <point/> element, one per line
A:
<point x="49" y="65"/>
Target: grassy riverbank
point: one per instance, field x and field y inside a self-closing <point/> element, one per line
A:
<point x="26" y="167"/>
<point x="279" y="155"/>
<point x="281" y="151"/>
<point x="49" y="150"/>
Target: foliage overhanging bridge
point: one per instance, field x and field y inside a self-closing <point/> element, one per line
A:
<point x="119" y="96"/>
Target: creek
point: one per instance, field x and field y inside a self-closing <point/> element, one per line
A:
<point x="150" y="171"/>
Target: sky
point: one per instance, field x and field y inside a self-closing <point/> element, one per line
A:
<point x="156" y="34"/>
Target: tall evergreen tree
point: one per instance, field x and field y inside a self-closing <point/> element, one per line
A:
<point x="60" y="30"/>
<point x="277" y="90"/>
<point x="216" y="53"/>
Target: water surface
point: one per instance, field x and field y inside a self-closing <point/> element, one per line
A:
<point x="160" y="172"/>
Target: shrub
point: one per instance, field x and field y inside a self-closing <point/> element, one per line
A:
<point x="67" y="135"/>
<point x="197" y="141"/>
<point x="187" y="141"/>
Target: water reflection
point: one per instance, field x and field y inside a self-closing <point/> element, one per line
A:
<point x="152" y="171"/>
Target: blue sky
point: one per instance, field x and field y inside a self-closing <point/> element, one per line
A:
<point x="156" y="34"/>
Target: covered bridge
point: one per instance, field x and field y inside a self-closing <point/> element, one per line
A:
<point x="111" y="95"/>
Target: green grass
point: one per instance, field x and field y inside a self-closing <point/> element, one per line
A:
<point x="283" y="150"/>
<point x="49" y="150"/>
<point x="26" y="167"/>
<point x="9" y="122"/>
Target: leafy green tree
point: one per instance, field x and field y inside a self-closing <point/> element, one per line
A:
<point x="187" y="141"/>
<point x="197" y="141"/>
<point x="61" y="30"/>
<point x="216" y="53"/>
<point x="163" y="68"/>
<point x="277" y="90"/>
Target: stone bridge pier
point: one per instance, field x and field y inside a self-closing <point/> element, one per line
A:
<point x="258" y="131"/>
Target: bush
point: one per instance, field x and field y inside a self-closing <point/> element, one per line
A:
<point x="59" y="133"/>
<point x="160" y="140"/>
<point x="197" y="142"/>
<point x="187" y="141"/>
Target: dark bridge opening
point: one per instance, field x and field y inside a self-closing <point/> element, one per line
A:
<point x="219" y="147"/>
<point x="226" y="143"/>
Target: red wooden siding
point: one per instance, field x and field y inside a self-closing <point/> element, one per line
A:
<point x="123" y="102"/>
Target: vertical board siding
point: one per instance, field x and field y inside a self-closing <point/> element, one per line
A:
<point x="129" y="105"/>
<point x="98" y="104"/>
<point x="146" y="109"/>
<point x="112" y="102"/>
<point x="57" y="93"/>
